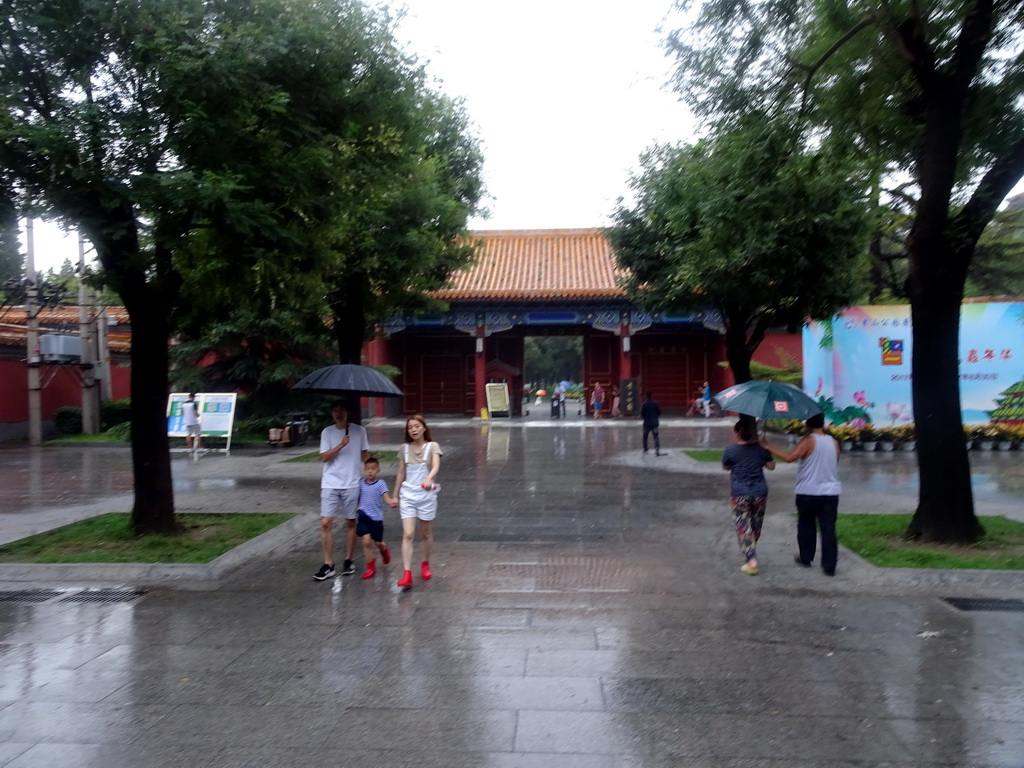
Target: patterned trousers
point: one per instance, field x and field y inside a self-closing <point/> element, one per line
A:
<point x="748" y="515"/>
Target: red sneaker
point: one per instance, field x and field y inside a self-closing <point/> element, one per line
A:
<point x="425" y="571"/>
<point x="406" y="580"/>
<point x="385" y="554"/>
<point x="371" y="569"/>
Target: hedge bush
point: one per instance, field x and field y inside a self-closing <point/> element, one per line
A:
<point x="115" y="412"/>
<point x="68" y="419"/>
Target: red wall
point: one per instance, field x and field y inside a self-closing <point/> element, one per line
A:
<point x="780" y="349"/>
<point x="61" y="386"/>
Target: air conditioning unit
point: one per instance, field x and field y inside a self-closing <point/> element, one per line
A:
<point x="60" y="348"/>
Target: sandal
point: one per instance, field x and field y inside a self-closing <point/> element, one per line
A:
<point x="750" y="570"/>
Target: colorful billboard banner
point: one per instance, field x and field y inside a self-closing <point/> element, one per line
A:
<point x="858" y="364"/>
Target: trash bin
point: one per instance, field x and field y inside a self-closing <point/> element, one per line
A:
<point x="298" y="428"/>
<point x="556" y="408"/>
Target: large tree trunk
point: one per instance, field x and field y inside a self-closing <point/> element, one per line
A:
<point x="737" y="350"/>
<point x="153" y="511"/>
<point x="349" y="310"/>
<point x="937" y="272"/>
<point x="945" y="509"/>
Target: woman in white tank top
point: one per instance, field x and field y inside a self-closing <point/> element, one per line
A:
<point x="817" y="494"/>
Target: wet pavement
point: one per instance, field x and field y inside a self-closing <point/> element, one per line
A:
<point x="587" y="610"/>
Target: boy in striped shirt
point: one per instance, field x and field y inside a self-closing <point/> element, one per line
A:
<point x="373" y="492"/>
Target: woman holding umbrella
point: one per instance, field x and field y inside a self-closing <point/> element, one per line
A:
<point x="746" y="461"/>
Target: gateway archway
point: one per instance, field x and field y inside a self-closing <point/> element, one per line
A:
<point x="545" y="282"/>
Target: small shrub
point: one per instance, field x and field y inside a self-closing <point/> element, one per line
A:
<point x="68" y="419"/>
<point x="115" y="412"/>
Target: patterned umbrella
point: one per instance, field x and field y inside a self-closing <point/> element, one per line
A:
<point x="767" y="400"/>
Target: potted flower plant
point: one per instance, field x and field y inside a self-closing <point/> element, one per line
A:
<point x="846" y="436"/>
<point x="908" y="438"/>
<point x="868" y="437"/>
<point x="888" y="437"/>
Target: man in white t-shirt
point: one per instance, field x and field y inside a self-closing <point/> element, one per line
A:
<point x="343" y="450"/>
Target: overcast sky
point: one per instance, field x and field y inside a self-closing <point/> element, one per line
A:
<point x="565" y="94"/>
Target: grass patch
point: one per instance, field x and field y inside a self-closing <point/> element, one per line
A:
<point x="705" y="454"/>
<point x="879" y="540"/>
<point x="109" y="539"/>
<point x="384" y="457"/>
<point x="102" y="437"/>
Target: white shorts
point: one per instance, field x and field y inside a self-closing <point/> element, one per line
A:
<point x="192" y="430"/>
<point x="335" y="500"/>
<point x="419" y="504"/>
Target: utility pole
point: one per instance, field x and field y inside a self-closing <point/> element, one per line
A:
<point x="103" y="355"/>
<point x="34" y="361"/>
<point x="88" y="356"/>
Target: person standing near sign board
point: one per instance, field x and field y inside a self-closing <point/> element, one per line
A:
<point x="190" y="420"/>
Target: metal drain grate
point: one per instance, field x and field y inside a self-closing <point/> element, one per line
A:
<point x="104" y="596"/>
<point x="27" y="596"/>
<point x="985" y="603"/>
<point x="571" y="573"/>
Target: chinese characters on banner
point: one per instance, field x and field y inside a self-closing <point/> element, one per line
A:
<point x="861" y="361"/>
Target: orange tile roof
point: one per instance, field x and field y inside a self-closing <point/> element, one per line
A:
<point x="67" y="315"/>
<point x="538" y="264"/>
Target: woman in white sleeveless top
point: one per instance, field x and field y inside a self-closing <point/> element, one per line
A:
<point x="817" y="494"/>
<point x="419" y="461"/>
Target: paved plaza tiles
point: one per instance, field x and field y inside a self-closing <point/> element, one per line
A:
<point x="586" y="611"/>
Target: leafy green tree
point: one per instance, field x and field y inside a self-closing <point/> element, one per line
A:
<point x="261" y="355"/>
<point x="929" y="91"/>
<point x="548" y="360"/>
<point x="204" y="148"/>
<point x="10" y="253"/>
<point x="408" y="232"/>
<point x="997" y="268"/>
<point x="747" y="225"/>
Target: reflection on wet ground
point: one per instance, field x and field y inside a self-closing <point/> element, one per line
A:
<point x="587" y="611"/>
<point x="45" y="477"/>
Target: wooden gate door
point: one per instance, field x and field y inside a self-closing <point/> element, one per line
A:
<point x="667" y="375"/>
<point x="443" y="383"/>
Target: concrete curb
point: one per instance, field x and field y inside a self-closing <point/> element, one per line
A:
<point x="189" y="576"/>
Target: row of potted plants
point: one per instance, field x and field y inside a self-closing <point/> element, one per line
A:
<point x="872" y="437"/>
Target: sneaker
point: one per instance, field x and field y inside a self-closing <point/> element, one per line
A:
<point x="406" y="581"/>
<point x="385" y="555"/>
<point x="425" y="571"/>
<point x="326" y="572"/>
<point x="348" y="569"/>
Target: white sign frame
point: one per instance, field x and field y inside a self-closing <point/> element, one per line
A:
<point x="216" y="415"/>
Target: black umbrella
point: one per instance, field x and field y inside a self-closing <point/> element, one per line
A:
<point x="348" y="379"/>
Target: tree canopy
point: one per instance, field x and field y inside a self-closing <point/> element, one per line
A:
<point x="199" y="145"/>
<point x="929" y="92"/>
<point x="747" y="224"/>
